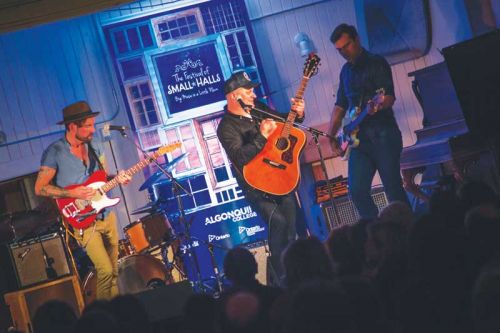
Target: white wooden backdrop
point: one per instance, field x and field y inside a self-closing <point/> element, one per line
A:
<point x="47" y="67"/>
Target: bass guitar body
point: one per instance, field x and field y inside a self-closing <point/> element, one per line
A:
<point x="276" y="169"/>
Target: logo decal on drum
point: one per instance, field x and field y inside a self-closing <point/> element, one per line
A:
<point x="251" y="230"/>
<point x="217" y="237"/>
<point x="236" y="215"/>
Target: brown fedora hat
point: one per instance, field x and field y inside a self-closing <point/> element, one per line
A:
<point x="77" y="111"/>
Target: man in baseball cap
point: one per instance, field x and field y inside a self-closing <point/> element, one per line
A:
<point x="243" y="136"/>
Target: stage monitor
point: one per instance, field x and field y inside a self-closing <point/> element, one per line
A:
<point x="474" y="67"/>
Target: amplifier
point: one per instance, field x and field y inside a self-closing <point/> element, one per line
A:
<point x="23" y="304"/>
<point x="29" y="263"/>
<point x="345" y="212"/>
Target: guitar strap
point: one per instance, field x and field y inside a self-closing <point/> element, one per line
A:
<point x="95" y="158"/>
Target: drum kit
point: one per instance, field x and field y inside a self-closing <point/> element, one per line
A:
<point x="154" y="253"/>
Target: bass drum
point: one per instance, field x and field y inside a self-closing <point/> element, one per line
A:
<point x="136" y="273"/>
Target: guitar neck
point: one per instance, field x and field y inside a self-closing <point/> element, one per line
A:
<point x="292" y="114"/>
<point x="359" y="118"/>
<point x="131" y="171"/>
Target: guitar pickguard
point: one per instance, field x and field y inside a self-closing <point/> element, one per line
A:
<point x="287" y="155"/>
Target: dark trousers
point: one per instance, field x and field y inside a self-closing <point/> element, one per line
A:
<point x="379" y="150"/>
<point x="279" y="213"/>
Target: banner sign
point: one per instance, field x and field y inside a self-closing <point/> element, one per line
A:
<point x="221" y="228"/>
<point x="191" y="78"/>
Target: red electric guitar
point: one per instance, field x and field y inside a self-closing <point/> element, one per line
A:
<point x="81" y="213"/>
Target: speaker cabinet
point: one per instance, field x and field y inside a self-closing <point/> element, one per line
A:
<point x="261" y="253"/>
<point x="29" y="264"/>
<point x="345" y="212"/>
<point x="24" y="303"/>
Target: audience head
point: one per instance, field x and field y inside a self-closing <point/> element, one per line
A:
<point x="200" y="313"/>
<point x="346" y="248"/>
<point x="241" y="313"/>
<point x="306" y="259"/>
<point x="320" y="306"/>
<point x="397" y="212"/>
<point x="54" y="317"/>
<point x="130" y="314"/>
<point x="474" y="193"/>
<point x="240" y="266"/>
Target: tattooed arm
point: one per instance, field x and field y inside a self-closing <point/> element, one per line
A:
<point x="43" y="187"/>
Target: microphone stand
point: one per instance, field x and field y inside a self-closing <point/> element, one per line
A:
<point x="315" y="133"/>
<point x="177" y="187"/>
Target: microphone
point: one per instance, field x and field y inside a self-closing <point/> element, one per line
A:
<point x="243" y="105"/>
<point x="115" y="128"/>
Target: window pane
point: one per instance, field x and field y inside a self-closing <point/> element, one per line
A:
<point x="134" y="92"/>
<point x="182" y="21"/>
<point x="186" y="132"/>
<point x="121" y="41"/>
<point x="191" y="19"/>
<point x="208" y="128"/>
<point x="165" y="35"/>
<point x="145" y="90"/>
<point x="213" y="146"/>
<point x="172" y="24"/>
<point x="162" y="26"/>
<point x="149" y="105"/>
<point x="202" y="198"/>
<point x="172" y="136"/>
<point x="221" y="174"/>
<point x="198" y="183"/>
<point x="132" y="68"/>
<point x="193" y="157"/>
<point x="138" y="107"/>
<point x="153" y="117"/>
<point x="193" y="28"/>
<point x="175" y="33"/>
<point x="184" y="31"/>
<point x="142" y="120"/>
<point x="217" y="159"/>
<point x="147" y="40"/>
<point x="133" y="39"/>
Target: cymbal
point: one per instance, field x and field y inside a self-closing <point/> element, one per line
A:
<point x="151" y="207"/>
<point x="158" y="175"/>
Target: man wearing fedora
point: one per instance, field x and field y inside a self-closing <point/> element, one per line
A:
<point x="71" y="160"/>
<point x="243" y="136"/>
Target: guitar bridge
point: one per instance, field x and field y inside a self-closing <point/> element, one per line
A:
<point x="274" y="164"/>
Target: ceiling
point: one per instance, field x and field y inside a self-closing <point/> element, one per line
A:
<point x="23" y="14"/>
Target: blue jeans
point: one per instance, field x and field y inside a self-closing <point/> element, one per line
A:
<point x="379" y="150"/>
<point x="279" y="214"/>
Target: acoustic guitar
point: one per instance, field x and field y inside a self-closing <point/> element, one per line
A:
<point x="81" y="213"/>
<point x="276" y="168"/>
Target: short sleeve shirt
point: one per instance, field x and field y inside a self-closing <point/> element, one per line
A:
<point x="70" y="169"/>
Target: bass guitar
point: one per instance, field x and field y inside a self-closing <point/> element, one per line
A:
<point x="276" y="168"/>
<point x="348" y="136"/>
<point x="81" y="213"/>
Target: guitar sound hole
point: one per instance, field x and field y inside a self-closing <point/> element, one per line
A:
<point x="282" y="144"/>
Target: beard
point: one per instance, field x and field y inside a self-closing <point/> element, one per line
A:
<point x="84" y="139"/>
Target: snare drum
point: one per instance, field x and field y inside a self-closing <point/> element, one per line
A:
<point x="149" y="231"/>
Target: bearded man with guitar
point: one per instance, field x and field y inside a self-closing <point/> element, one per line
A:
<point x="375" y="144"/>
<point x="72" y="160"/>
<point x="244" y="134"/>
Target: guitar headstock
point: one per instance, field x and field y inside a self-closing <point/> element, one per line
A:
<point x="311" y="65"/>
<point x="168" y="148"/>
